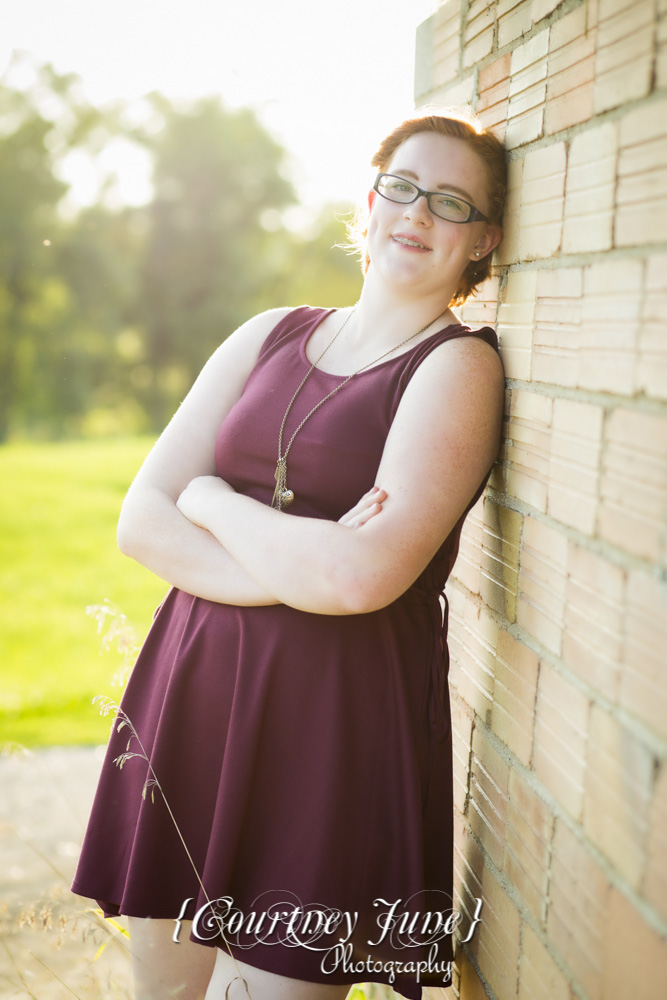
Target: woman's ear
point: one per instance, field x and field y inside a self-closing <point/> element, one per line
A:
<point x="371" y="198"/>
<point x="487" y="242"/>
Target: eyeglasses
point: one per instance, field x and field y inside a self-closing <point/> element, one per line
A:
<point x="445" y="206"/>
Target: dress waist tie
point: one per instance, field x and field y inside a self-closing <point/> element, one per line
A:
<point x="439" y="713"/>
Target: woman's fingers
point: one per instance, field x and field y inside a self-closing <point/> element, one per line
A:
<point x="369" y="505"/>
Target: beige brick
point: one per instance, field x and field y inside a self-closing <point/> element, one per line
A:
<point x="497" y="477"/>
<point x="472" y="643"/>
<point x="578" y="911"/>
<point x="468" y="874"/>
<point x="489" y="786"/>
<point x="627" y="933"/>
<point x="542" y="574"/>
<point x="501" y="539"/>
<point x="558" y="326"/>
<point x="655" y="877"/>
<point x="493" y="89"/>
<point x="571" y="100"/>
<point x="471" y="987"/>
<point x="446" y="42"/>
<point x="576" y="444"/>
<point x="528" y="86"/>
<point x="642" y="688"/>
<point x="589" y="195"/>
<point x="661" y="54"/>
<point x="624" y="55"/>
<point x="497" y="939"/>
<point x="514" y="695"/>
<point x="524" y="127"/>
<point x="539" y="976"/>
<point x="642" y="182"/>
<point x="495" y="73"/>
<point x="529" y="448"/>
<point x="528" y="846"/>
<point x="559" y="754"/>
<point x="530" y="53"/>
<point x="652" y="362"/>
<point x="508" y="251"/>
<point x="461" y="744"/>
<point x="456" y="93"/>
<point x="573" y="27"/>
<point x="634" y="483"/>
<point x="610" y="325"/>
<point x="594" y="619"/>
<point x="571" y="72"/>
<point x="515" y="323"/>
<point x="514" y="20"/>
<point x="467" y="568"/>
<point x="618" y="792"/>
<point x="481" y="309"/>
<point x="541" y="215"/>
<point x="542" y="8"/>
<point x="478" y="32"/>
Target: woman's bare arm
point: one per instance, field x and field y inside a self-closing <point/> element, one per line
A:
<point x="441" y="444"/>
<point x="151" y="529"/>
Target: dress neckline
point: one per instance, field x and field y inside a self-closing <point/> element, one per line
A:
<point x="381" y="364"/>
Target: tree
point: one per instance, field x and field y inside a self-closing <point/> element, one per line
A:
<point x="28" y="197"/>
<point x="107" y="313"/>
<point x="205" y="259"/>
<point x="39" y="124"/>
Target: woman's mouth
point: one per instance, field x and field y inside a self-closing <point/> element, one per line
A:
<point x="408" y="241"/>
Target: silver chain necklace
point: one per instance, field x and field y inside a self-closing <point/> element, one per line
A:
<point x="282" y="496"/>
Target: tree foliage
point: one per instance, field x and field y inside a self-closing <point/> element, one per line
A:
<point x="107" y="313"/>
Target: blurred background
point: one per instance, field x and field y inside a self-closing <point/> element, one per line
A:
<point x="166" y="171"/>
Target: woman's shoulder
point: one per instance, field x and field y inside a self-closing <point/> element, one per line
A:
<point x="458" y="339"/>
<point x="464" y="332"/>
<point x="290" y="324"/>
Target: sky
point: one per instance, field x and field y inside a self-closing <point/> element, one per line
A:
<point x="328" y="79"/>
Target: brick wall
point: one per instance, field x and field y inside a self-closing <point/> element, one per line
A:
<point x="559" y="597"/>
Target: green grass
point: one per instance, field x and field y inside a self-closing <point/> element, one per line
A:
<point x="58" y="509"/>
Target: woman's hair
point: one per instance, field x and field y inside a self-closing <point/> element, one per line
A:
<point x="458" y="125"/>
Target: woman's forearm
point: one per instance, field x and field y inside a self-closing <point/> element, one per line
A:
<point x="152" y="531"/>
<point x="311" y="564"/>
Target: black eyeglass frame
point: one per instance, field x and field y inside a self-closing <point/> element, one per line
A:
<point x="474" y="216"/>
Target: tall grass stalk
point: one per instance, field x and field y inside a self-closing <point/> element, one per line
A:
<point x="123" y="721"/>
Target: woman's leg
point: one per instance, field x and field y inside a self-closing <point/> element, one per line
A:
<point x="263" y="985"/>
<point x="165" y="969"/>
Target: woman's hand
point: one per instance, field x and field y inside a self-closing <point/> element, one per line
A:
<point x="369" y="505"/>
<point x="196" y="499"/>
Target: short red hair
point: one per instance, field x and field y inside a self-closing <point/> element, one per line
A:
<point x="488" y="148"/>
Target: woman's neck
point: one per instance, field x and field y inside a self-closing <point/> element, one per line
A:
<point x="383" y="317"/>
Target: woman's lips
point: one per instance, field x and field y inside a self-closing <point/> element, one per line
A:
<point x="407" y="240"/>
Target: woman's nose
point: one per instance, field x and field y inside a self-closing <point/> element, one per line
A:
<point x="418" y="210"/>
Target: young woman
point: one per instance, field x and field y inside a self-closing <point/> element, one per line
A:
<point x="305" y="503"/>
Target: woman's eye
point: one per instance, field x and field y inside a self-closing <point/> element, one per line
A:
<point x="450" y="203"/>
<point x="400" y="186"/>
<point x="453" y="205"/>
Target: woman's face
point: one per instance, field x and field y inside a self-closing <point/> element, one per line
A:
<point x="410" y="245"/>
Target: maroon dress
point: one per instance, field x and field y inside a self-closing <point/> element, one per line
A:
<point x="306" y="758"/>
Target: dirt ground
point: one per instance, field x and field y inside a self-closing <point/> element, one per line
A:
<point x="49" y="938"/>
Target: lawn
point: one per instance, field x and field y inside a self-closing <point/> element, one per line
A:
<point x="58" y="509"/>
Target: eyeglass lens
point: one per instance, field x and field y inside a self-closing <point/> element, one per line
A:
<point x="446" y="206"/>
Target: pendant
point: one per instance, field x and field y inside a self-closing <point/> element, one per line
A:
<point x="282" y="497"/>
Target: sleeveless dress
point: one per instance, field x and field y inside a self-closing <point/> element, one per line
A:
<point x="306" y="758"/>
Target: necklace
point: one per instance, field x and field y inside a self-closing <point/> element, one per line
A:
<point x="282" y="496"/>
